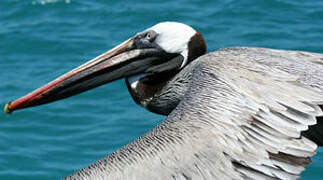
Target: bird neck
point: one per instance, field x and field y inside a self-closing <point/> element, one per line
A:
<point x="160" y="93"/>
<point x="144" y="88"/>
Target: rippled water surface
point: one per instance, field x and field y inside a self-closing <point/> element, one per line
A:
<point x="41" y="39"/>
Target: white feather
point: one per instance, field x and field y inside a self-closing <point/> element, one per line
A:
<point x="174" y="37"/>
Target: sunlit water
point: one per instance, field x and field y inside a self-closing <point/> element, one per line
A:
<point x="41" y="39"/>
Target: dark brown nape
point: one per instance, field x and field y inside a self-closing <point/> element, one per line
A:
<point x="148" y="87"/>
<point x="196" y="47"/>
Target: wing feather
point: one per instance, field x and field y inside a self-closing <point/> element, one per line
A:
<point x="242" y="117"/>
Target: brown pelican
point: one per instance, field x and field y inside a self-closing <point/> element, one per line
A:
<point x="235" y="113"/>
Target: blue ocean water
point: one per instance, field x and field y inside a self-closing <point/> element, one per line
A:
<point x="42" y="39"/>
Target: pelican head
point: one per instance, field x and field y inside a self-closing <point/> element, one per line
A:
<point x="147" y="61"/>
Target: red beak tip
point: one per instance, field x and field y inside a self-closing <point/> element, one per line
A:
<point x="7" y="109"/>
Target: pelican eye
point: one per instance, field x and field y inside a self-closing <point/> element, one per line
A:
<point x="146" y="39"/>
<point x="151" y="35"/>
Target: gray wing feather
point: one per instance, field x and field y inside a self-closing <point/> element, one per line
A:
<point x="241" y="118"/>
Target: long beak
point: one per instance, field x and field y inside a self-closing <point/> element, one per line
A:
<point x="121" y="61"/>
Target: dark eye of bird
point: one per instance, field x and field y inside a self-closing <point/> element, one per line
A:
<point x="146" y="39"/>
<point x="151" y="35"/>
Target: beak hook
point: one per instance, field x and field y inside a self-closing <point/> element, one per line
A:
<point x="7" y="109"/>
